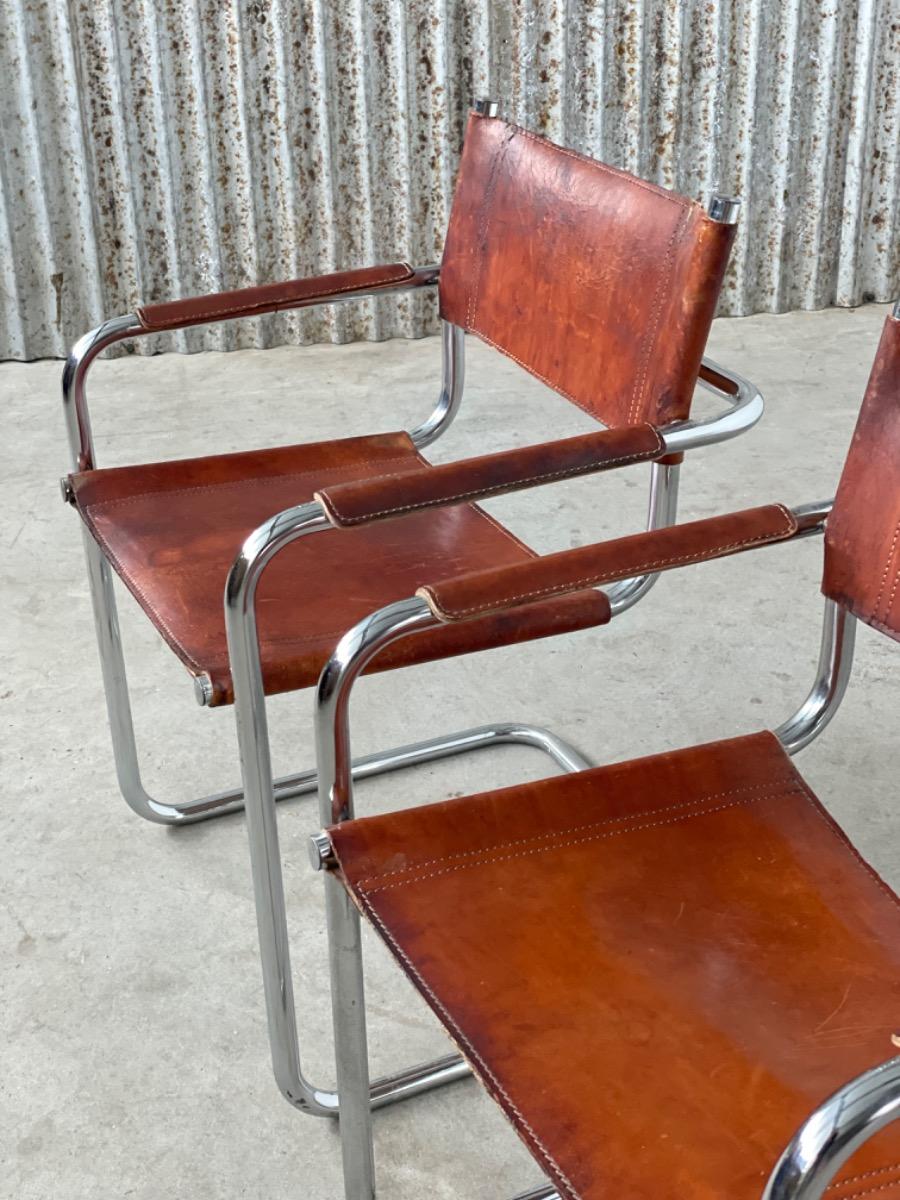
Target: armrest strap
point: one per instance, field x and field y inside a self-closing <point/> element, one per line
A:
<point x="269" y="297"/>
<point x="483" y="592"/>
<point x="489" y="475"/>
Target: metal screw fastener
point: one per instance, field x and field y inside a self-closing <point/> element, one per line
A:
<point x="203" y="689"/>
<point x="66" y="490"/>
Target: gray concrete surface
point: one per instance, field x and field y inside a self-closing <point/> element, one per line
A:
<point x="135" y="1060"/>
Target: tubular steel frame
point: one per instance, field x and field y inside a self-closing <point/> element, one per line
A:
<point x="353" y="653"/>
<point x="745" y="407"/>
<point x="261" y="790"/>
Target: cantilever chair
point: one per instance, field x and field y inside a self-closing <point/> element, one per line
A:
<point x="600" y="284"/>
<point x="652" y="1042"/>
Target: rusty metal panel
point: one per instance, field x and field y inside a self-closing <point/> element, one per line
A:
<point x="157" y="150"/>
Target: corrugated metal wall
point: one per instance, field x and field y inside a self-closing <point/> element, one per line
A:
<point x="153" y="150"/>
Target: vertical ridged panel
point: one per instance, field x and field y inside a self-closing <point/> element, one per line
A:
<point x="158" y="150"/>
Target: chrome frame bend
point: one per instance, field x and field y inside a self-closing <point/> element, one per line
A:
<point x="830" y="684"/>
<point x="834" y="1132"/>
<point x="333" y="758"/>
<point x="453" y="375"/>
<point x="74" y="379"/>
<point x="662" y="510"/>
<point x="117" y="329"/>
<point x="746" y="407"/>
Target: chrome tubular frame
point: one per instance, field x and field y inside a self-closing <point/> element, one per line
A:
<point x="117" y="329"/>
<point x="260" y="789"/>
<point x="745" y="410"/>
<point x="834" y="1132"/>
<point x="830" y="684"/>
<point x="259" y="800"/>
<point x="333" y="755"/>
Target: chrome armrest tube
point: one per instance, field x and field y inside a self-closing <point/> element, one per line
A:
<point x="746" y="406"/>
<point x="117" y="329"/>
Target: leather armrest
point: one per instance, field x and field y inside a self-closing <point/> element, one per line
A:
<point x="483" y="592"/>
<point x="270" y="297"/>
<point x="489" y="475"/>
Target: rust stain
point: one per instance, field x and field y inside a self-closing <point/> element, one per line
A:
<point x="158" y="150"/>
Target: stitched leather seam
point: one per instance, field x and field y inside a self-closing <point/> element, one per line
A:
<point x="256" y="480"/>
<point x="567" y="473"/>
<point x="543" y="837"/>
<point x="842" y="837"/>
<point x="537" y="374"/>
<point x="604" y="576"/>
<point x="761" y="793"/>
<point x="470" y="1050"/>
<point x="842" y="1183"/>
<point x="650" y="336"/>
<point x="883" y="581"/>
<point x="486" y="516"/>
<point x="881" y="1187"/>
<point x="215" y="659"/>
<point x="169" y="637"/>
<point x="143" y="599"/>
<point x="884" y="576"/>
<point x="682" y="202"/>
<point x="496" y="164"/>
<point x="287" y="302"/>
<point x="662" y="193"/>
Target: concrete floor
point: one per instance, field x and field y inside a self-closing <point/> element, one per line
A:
<point x="135" y="1060"/>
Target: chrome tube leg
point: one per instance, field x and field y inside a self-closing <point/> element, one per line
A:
<point x="115" y="686"/>
<point x="662" y="510"/>
<point x="351" y="1050"/>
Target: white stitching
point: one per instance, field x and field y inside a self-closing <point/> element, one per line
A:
<point x="628" y="817"/>
<point x="447" y="614"/>
<point x="662" y="193"/>
<point x="565" y="473"/>
<point x="471" y="1052"/>
<point x="800" y="788"/>
<point x="256" y="480"/>
<point x="688" y="206"/>
<point x="252" y="310"/>
<point x="555" y="843"/>
<point x="496" y="163"/>
<point x="859" y="1178"/>
<point x="649" y="338"/>
<point x="881" y="1187"/>
<point x="884" y="577"/>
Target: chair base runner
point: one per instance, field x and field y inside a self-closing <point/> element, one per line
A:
<point x="303" y="782"/>
<point x="391" y="1089"/>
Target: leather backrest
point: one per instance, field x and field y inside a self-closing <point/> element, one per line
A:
<point x="862" y="536"/>
<point x="598" y="283"/>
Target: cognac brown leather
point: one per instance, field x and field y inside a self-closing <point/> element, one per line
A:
<point x="658" y="968"/>
<point x="172" y="531"/>
<point x="269" y="297"/>
<point x="600" y="284"/>
<point x="490" y="475"/>
<point x="862" y="535"/>
<point x="497" y="589"/>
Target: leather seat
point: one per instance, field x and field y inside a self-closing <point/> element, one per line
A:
<point x="173" y="529"/>
<point x="669" y="963"/>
